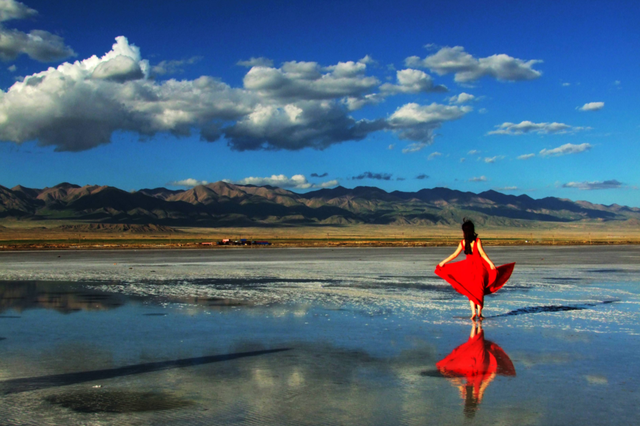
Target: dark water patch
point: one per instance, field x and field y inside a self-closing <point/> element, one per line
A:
<point x="34" y="383"/>
<point x="221" y="301"/>
<point x="63" y="297"/>
<point x="444" y="288"/>
<point x="286" y="286"/>
<point x="155" y="314"/>
<point x="117" y="401"/>
<point x="10" y="316"/>
<point x="213" y="303"/>
<point x="551" y="308"/>
<point x="432" y="373"/>
<point x="409" y="277"/>
<point x="607" y="271"/>
<point x="95" y="296"/>
<point x="231" y="283"/>
<point x="562" y="279"/>
<point x="3" y="338"/>
<point x="510" y="287"/>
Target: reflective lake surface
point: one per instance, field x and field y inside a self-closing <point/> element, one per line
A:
<point x="316" y="336"/>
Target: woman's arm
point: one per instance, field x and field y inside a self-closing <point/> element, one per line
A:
<point x="484" y="255"/>
<point x="453" y="256"/>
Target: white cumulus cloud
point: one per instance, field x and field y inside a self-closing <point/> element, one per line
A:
<point x="412" y="81"/>
<point x="591" y="106"/>
<point x="190" y="182"/>
<point x="526" y="156"/>
<point x="566" y="149"/>
<point x="590" y="186"/>
<point x="415" y="147"/>
<point x="493" y="159"/>
<point x="308" y="80"/>
<point x="462" y="98"/>
<point x="478" y="179"/>
<point x="78" y="106"/>
<point x="368" y="60"/>
<point x="173" y="67"/>
<point x="327" y="184"/>
<point x="120" y="68"/>
<point x="295" y="126"/>
<point x="37" y="44"/>
<point x="530" y="127"/>
<point x="434" y="155"/>
<point x="282" y="181"/>
<point x="256" y="62"/>
<point x="468" y="69"/>
<point x="355" y="103"/>
<point x="11" y="9"/>
<point x="416" y="122"/>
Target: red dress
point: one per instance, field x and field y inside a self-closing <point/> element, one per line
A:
<point x="477" y="360"/>
<point x="473" y="277"/>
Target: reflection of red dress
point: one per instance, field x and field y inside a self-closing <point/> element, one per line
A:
<point x="477" y="360"/>
<point x="473" y="277"/>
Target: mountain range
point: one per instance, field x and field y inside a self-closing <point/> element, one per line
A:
<point x="227" y="204"/>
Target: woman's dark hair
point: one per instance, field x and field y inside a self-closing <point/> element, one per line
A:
<point x="469" y="235"/>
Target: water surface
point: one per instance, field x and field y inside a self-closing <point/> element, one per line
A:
<point x="316" y="336"/>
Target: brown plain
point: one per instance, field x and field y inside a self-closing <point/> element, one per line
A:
<point x="17" y="235"/>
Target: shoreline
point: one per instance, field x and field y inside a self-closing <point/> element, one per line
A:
<point x="162" y="244"/>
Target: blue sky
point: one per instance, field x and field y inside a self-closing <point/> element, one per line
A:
<point x="534" y="98"/>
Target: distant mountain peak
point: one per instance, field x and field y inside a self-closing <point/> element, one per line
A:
<point x="66" y="185"/>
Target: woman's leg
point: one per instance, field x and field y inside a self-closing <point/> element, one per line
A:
<point x="473" y="309"/>
<point x="479" y="312"/>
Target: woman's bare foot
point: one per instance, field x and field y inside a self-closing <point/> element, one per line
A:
<point x="473" y="309"/>
<point x="480" y="317"/>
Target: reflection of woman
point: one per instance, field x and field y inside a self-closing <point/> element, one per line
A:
<point x="473" y="365"/>
<point x="476" y="275"/>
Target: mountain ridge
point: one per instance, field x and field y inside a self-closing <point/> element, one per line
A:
<point x="227" y="204"/>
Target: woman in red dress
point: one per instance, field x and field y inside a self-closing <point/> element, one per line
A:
<point x="476" y="275"/>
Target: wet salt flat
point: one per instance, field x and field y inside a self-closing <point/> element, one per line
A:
<point x="316" y="336"/>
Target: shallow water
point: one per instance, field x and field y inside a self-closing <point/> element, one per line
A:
<point x="314" y="336"/>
